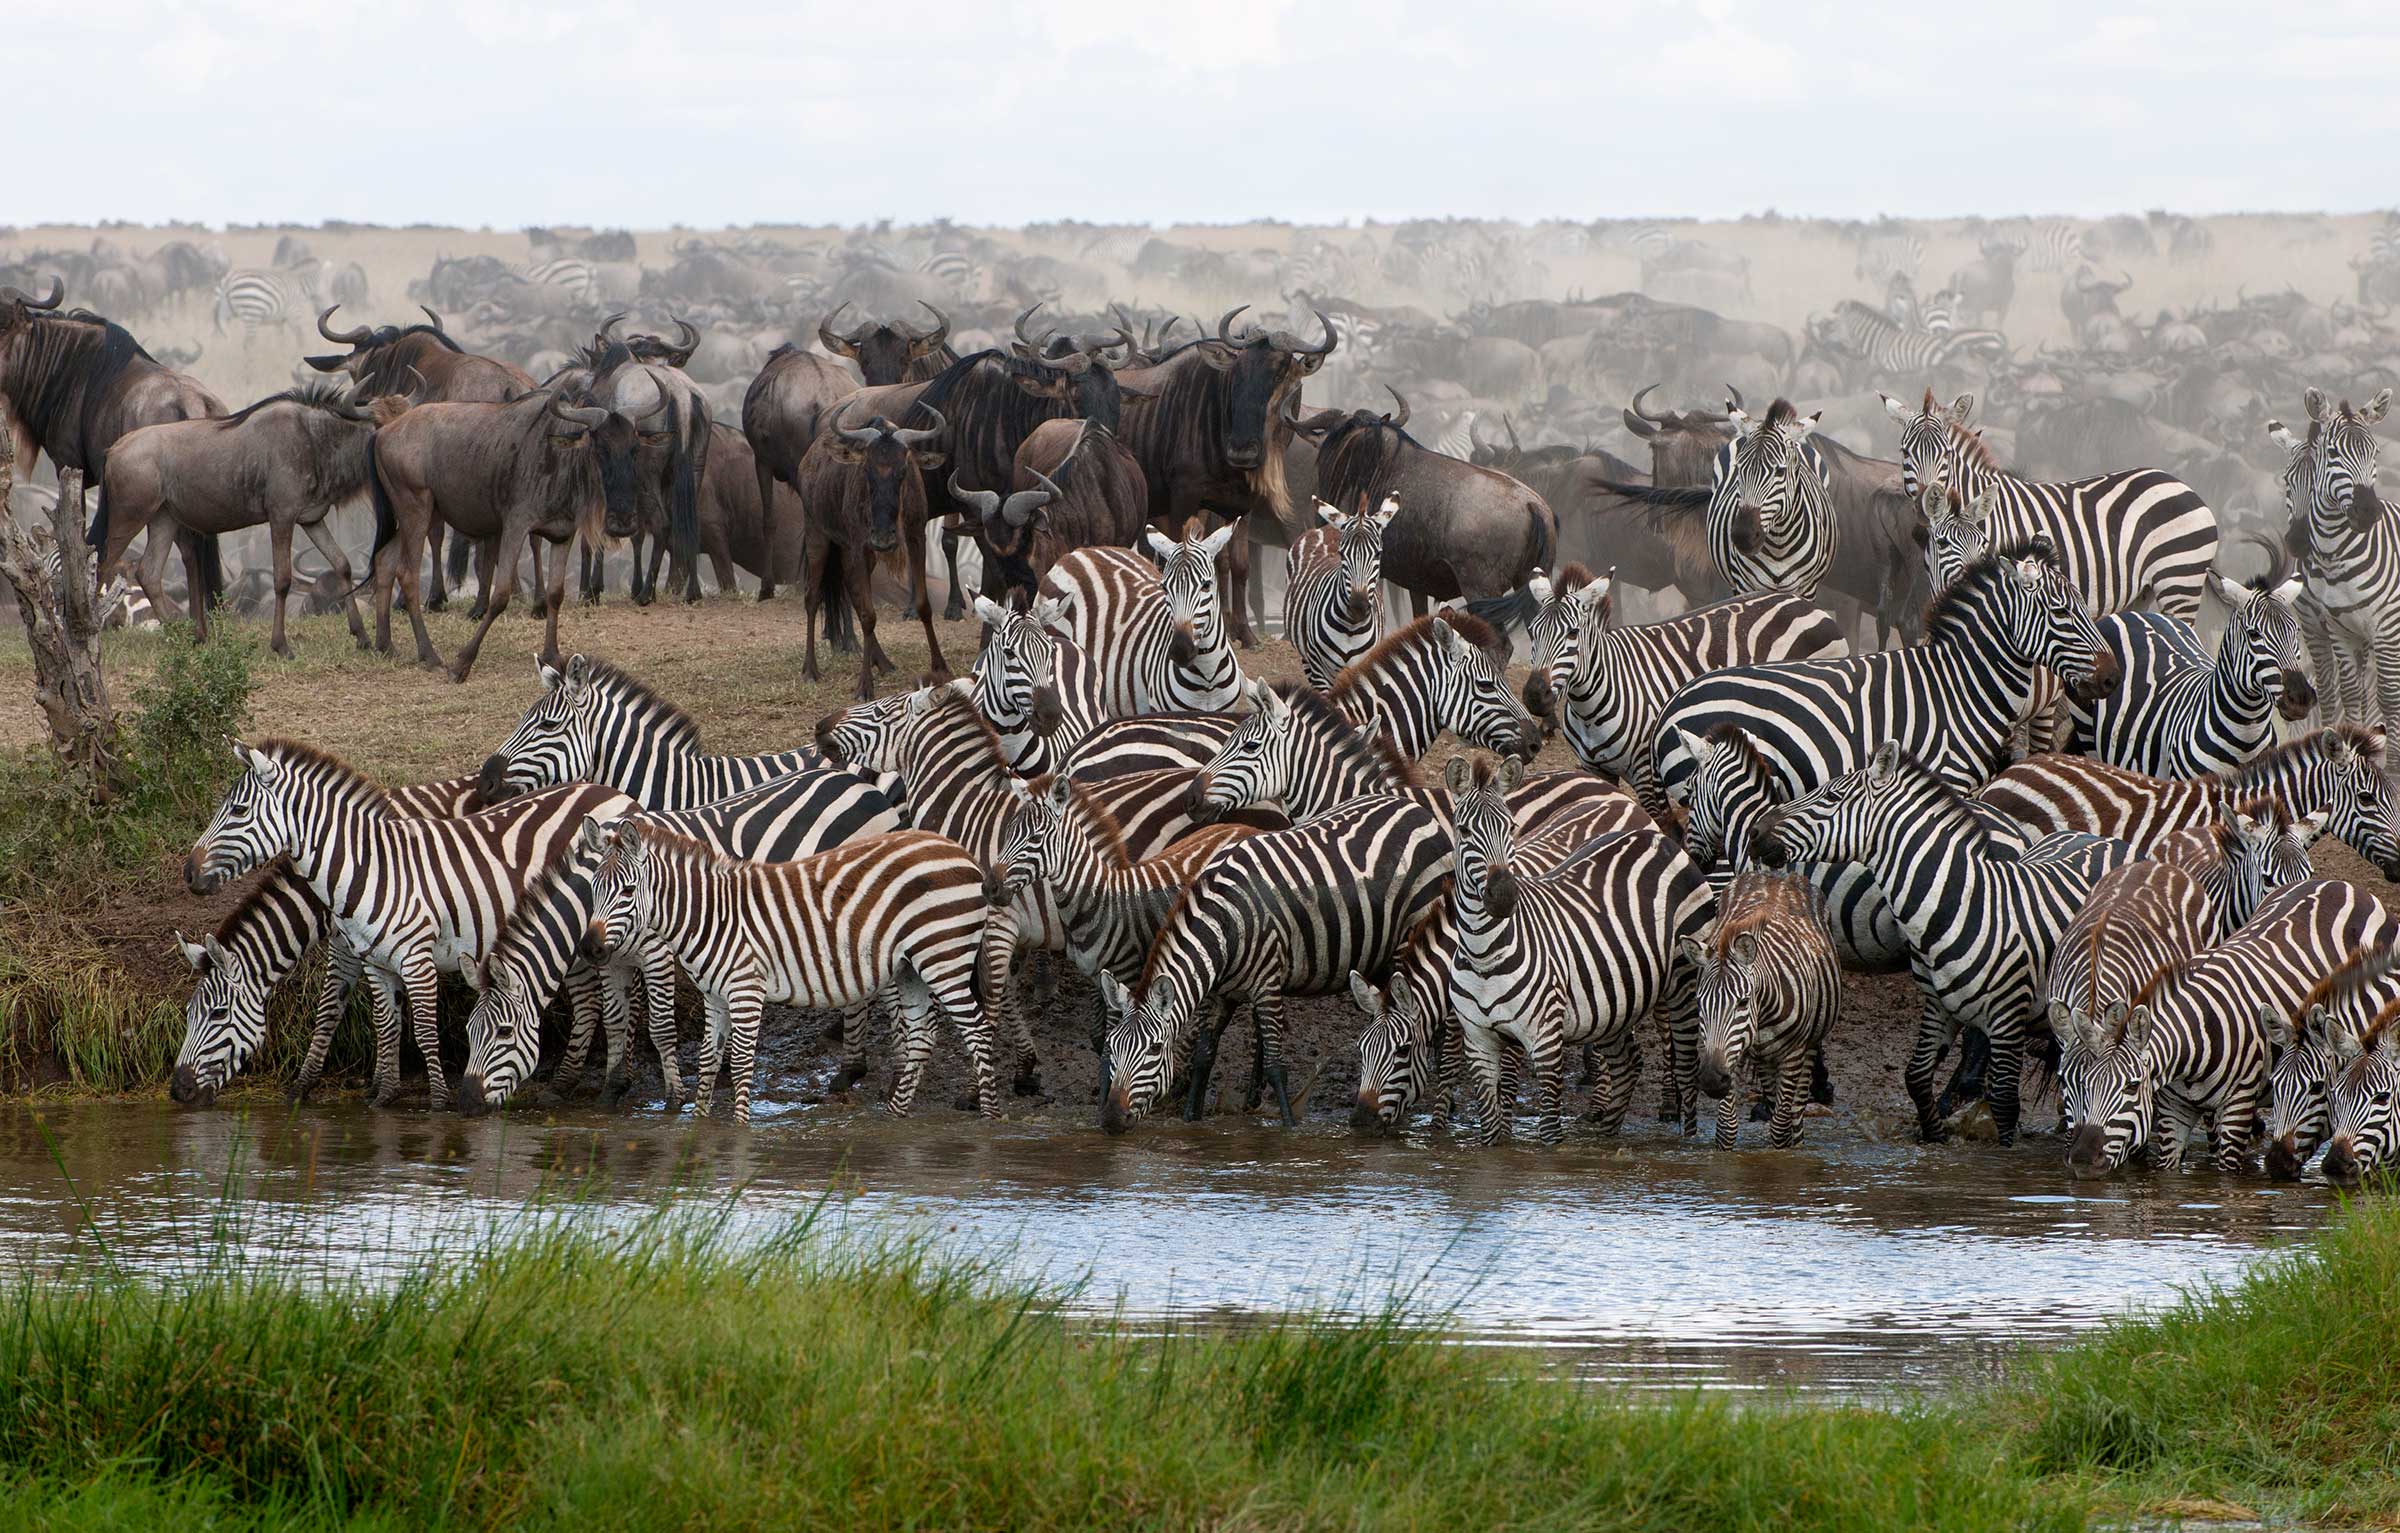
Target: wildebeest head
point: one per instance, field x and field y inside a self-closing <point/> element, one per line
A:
<point x="892" y="463"/>
<point x="1683" y="445"/>
<point x="1008" y="528"/>
<point x="383" y="359"/>
<point x="1079" y="373"/>
<point x="17" y="307"/>
<point x="884" y="351"/>
<point x="603" y="438"/>
<point x="1261" y="365"/>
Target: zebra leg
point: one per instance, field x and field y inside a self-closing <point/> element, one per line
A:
<point x="583" y="1006"/>
<point x="1972" y="1082"/>
<point x="1679" y="1017"/>
<point x="1729" y="1128"/>
<point x="658" y="1007"/>
<point x="2232" y="1129"/>
<point x="712" y="1053"/>
<point x="1480" y="1051"/>
<point x="2354" y="657"/>
<point x="742" y="1011"/>
<point x="342" y="968"/>
<point x="424" y="989"/>
<point x="2316" y="631"/>
<point x="2384" y="650"/>
<point x="853" y="1068"/>
<point x="997" y="960"/>
<point x="2006" y="1075"/>
<point x="2171" y="1130"/>
<point x="955" y="1000"/>
<point x="1933" y="1040"/>
<point x="616" y="1021"/>
<point x="388" y="1015"/>
<point x="1791" y="1097"/>
<point x="1545" y="1057"/>
<point x="1621" y="1066"/>
<point x="914" y="1038"/>
<point x="1266" y="1028"/>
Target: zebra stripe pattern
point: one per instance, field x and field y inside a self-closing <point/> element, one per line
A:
<point x="1981" y="921"/>
<point x="1577" y="953"/>
<point x="2141" y="918"/>
<point x="1036" y="690"/>
<point x="411" y="897"/>
<point x="2349" y="557"/>
<point x="539" y="950"/>
<point x="2131" y="538"/>
<point x="906" y="909"/>
<point x="1768" y="991"/>
<point x="1333" y="590"/>
<point x="1770" y="510"/>
<point x="262" y="296"/>
<point x="1440" y="674"/>
<point x="570" y="275"/>
<point x="2255" y="848"/>
<point x="1155" y="637"/>
<point x="1896" y="350"/>
<point x="2307" y="1057"/>
<point x="2362" y="1132"/>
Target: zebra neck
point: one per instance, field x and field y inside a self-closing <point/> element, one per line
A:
<point x="695" y="908"/>
<point x="1398" y="698"/>
<point x="2234" y="694"/>
<point x="339" y="850"/>
<point x="1983" y="664"/>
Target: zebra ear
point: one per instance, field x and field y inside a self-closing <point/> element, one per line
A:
<point x="550" y="676"/>
<point x="1158" y="543"/>
<point x="215" y="951"/>
<point x="1511" y="775"/>
<point x="1595" y="592"/>
<point x="1692" y="950"/>
<point x="1389" y="509"/>
<point x="1113" y="993"/>
<point x="2376" y="406"/>
<point x="579" y="670"/>
<point x="1448" y="636"/>
<point x="1695" y="748"/>
<point x="1895" y="409"/>
<point x="1980" y="508"/>
<point x="2133" y="1029"/>
<point x="258" y="761"/>
<point x="2306" y="829"/>
<point x="992" y="613"/>
<point x="1960" y="408"/>
<point x="1886" y="763"/>
<point x="591" y="837"/>
<point x="1806" y="424"/>
<point x="2277" y="1026"/>
<point x="1364" y="995"/>
<point x="1538" y="586"/>
<point x="2225" y="590"/>
<point x="1458" y="773"/>
<point x="2062" y="1025"/>
<point x="193" y="953"/>
<point x="2289" y="592"/>
<point x="2314" y="399"/>
<point x="1331" y="516"/>
<point x="1272" y="703"/>
<point x="1743" y="949"/>
<point x="1214" y="543"/>
<point x="1062" y="791"/>
<point x="1049" y="611"/>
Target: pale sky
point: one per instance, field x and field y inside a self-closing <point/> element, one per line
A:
<point x="683" y="111"/>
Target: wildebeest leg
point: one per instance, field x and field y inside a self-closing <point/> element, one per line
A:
<point x="330" y="547"/>
<point x="956" y="607"/>
<point x="433" y="542"/>
<point x="504" y="585"/>
<point x="121" y="531"/>
<point x="658" y="556"/>
<point x="410" y="562"/>
<point x="859" y="577"/>
<point x="594" y="567"/>
<point x="193" y="586"/>
<point x="924" y="599"/>
<point x="279" y="540"/>
<point x="1233" y="585"/>
<point x="151" y="573"/>
<point x="485" y="552"/>
<point x="554" y="596"/>
<point x="633" y="577"/>
<point x="766" y="531"/>
<point x="814" y="550"/>
<point x="384" y="571"/>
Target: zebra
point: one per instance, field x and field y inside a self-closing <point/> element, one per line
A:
<point x="1951" y="701"/>
<point x="903" y="909"/>
<point x="596" y="723"/>
<point x="1882" y="257"/>
<point x="1578" y="952"/>
<point x="2193" y="1044"/>
<point x="577" y="278"/>
<point x="1148" y="742"/>
<point x="1608" y="686"/>
<point x="1155" y="637"/>
<point x="263" y="940"/>
<point x="2254" y="848"/>
<point x="2129" y="538"/>
<point x="2141" y="917"/>
<point x="2349" y="550"/>
<point x="2337" y="773"/>
<point x="538" y="950"/>
<point x="1770" y="512"/>
<point x="2362" y="1133"/>
<point x="1981" y="919"/>
<point x="1289" y="912"/>
<point x="2054" y="245"/>
<point x="1333" y="590"/>
<point x="1035" y="689"/>
<point x="263" y="296"/>
<point x="2300" y="1082"/>
<point x="412" y="897"/>
<point x="1768" y="990"/>
<point x="1436" y="675"/>
<point x="1891" y="348"/>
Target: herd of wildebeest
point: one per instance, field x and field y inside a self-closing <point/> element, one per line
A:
<point x="1949" y="711"/>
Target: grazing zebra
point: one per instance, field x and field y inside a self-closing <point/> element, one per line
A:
<point x="2130" y="538"/>
<point x="2300" y="1083"/>
<point x="411" y="897"/>
<point x="1980" y="918"/>
<point x="264" y="296"/>
<point x="1034" y="688"/>
<point x="1577" y="953"/>
<point x="595" y="723"/>
<point x="1155" y="637"/>
<point x="1891" y="348"/>
<point x="1616" y="682"/>
<point x="1770" y="511"/>
<point x="1768" y="991"/>
<point x="1289" y="912"/>
<point x="791" y="817"/>
<point x="1951" y="702"/>
<point x="903" y="909"/>
<point x="2336" y="774"/>
<point x="2349" y="552"/>
<point x="1333" y="590"/>
<point x="2141" y="917"/>
<point x="2254" y="848"/>
<point x="2193" y="1046"/>
<point x="577" y="278"/>
<point x="2362" y="1134"/>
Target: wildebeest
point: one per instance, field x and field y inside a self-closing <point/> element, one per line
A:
<point x="864" y="487"/>
<point x="890" y="352"/>
<point x="530" y="468"/>
<point x="734" y="532"/>
<point x="1463" y="530"/>
<point x="665" y="456"/>
<point x="1988" y="285"/>
<point x="286" y="461"/>
<point x="784" y="409"/>
<point x="72" y="384"/>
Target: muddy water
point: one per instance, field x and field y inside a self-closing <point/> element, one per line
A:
<point x="1844" y="1267"/>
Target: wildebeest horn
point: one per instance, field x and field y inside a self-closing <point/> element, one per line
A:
<point x="687" y="337"/>
<point x="1514" y="445"/>
<point x="58" y="290"/>
<point x="1225" y="324"/>
<point x="985" y="502"/>
<point x="416" y="390"/>
<point x="938" y="334"/>
<point x="589" y="417"/>
<point x="1332" y="339"/>
<point x="1733" y="396"/>
<point x="349" y="338"/>
<point x="925" y="434"/>
<point x="839" y="345"/>
<point x="864" y="436"/>
<point x="1028" y="341"/>
<point x="2085" y="281"/>
<point x="1400" y="399"/>
<point x="1019" y="508"/>
<point x="436" y="318"/>
<point x="1636" y="407"/>
<point x="609" y="325"/>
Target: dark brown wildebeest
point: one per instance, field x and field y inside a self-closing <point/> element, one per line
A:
<point x="72" y="384"/>
<point x="892" y="353"/>
<point x="1208" y="428"/>
<point x="530" y="468"/>
<point x="1463" y="530"/>
<point x="1657" y="559"/>
<point x="286" y="461"/>
<point x="733" y="531"/>
<point x="422" y="362"/>
<point x="785" y="409"/>
<point x="864" y="487"/>
<point x="1092" y="486"/>
<point x="664" y="457"/>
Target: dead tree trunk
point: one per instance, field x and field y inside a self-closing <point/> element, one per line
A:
<point x="62" y="627"/>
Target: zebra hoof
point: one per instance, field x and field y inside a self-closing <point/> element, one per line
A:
<point x="1027" y="1084"/>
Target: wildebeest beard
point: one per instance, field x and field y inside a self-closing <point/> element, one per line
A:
<point x="55" y="369"/>
<point x="614" y="449"/>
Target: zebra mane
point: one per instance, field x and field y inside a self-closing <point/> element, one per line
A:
<point x="1573" y="576"/>
<point x="952" y="706"/>
<point x="679" y="727"/>
<point x="2091" y="967"/>
<point x="1970" y="443"/>
<point x="263" y="892"/>
<point x="1949" y="609"/>
<point x="1733" y="737"/>
<point x="521" y="930"/>
<point x="2270" y="804"/>
<point x="349" y="784"/>
<point x="2359" y="968"/>
<point x="1757" y="897"/>
<point x="2167" y="975"/>
<point x="1468" y="626"/>
<point x="1365" y="746"/>
<point x="2356" y="736"/>
<point x="1161" y="939"/>
<point x="1087" y="807"/>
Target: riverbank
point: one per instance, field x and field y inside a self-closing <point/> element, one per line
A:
<point x="662" y="1375"/>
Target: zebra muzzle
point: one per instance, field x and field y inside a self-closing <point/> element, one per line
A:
<point x="595" y="944"/>
<point x="1539" y="696"/>
<point x="472" y="1103"/>
<point x="1114" y="1116"/>
<point x="1366" y="1114"/>
<point x="1182" y="648"/>
<point x="1048" y="711"/>
<point x="2099" y="681"/>
<point x="185" y="1087"/>
<point x="1767" y="850"/>
<point x="2298" y="696"/>
<point x="491" y="784"/>
<point x="2088" y="1154"/>
<point x="196" y="874"/>
<point x="2341" y="1162"/>
<point x="2284" y="1159"/>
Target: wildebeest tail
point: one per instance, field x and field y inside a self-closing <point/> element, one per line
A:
<point x="387" y="521"/>
<point x="210" y="563"/>
<point x="1512" y="609"/>
<point x="97" y="533"/>
<point x="683" y="520"/>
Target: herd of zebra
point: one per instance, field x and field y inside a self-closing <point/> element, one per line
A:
<point x="2073" y="825"/>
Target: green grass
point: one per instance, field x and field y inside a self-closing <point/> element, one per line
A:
<point x="559" y="1375"/>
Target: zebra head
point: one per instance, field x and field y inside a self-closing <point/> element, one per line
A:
<point x="2344" y="459"/>
<point x="1029" y="838"/>
<point x="1839" y="821"/>
<point x="1728" y="992"/>
<point x="1487" y="834"/>
<point x="1562" y="609"/>
<point x="1146" y="1041"/>
<point x="2358" y="800"/>
<point x="1471" y="696"/>
<point x="2299" y="1087"/>
<point x="1016" y="676"/>
<point x="2105" y="1083"/>
<point x="2264" y="847"/>
<point x="1397" y="1052"/>
<point x="2362" y="1133"/>
<point x="1755" y="476"/>
<point x="223" y="1022"/>
<point x="1359" y="541"/>
<point x="553" y="742"/>
<point x="2262" y="642"/>
<point x="1955" y="531"/>
<point x="1188" y="579"/>
<point x="1925" y="438"/>
<point x="621" y="885"/>
<point x="2033" y="613"/>
<point x="1725" y="792"/>
<point x="254" y="823"/>
<point x="504" y="1035"/>
<point x="865" y="737"/>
